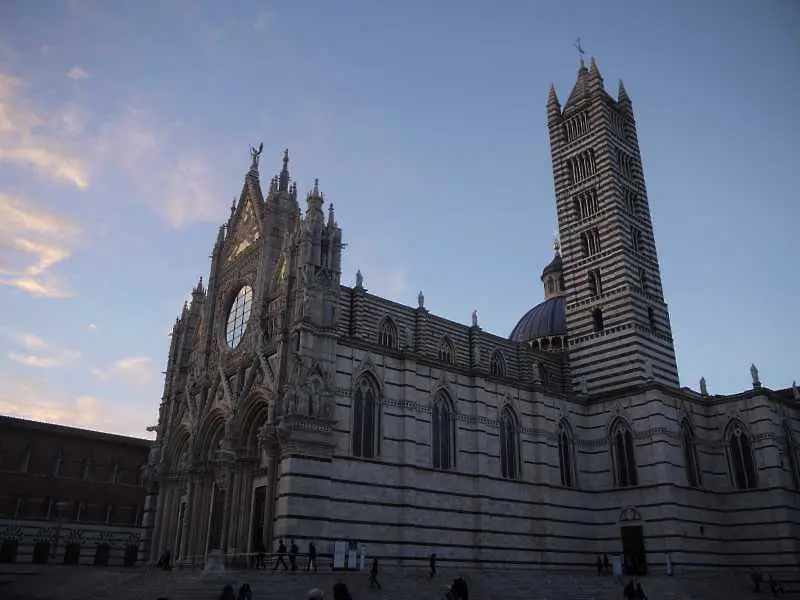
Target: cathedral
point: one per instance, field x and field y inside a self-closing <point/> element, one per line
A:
<point x="296" y="407"/>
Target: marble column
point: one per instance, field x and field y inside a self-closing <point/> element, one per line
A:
<point x="187" y="512"/>
<point x="226" y="512"/>
<point x="161" y="520"/>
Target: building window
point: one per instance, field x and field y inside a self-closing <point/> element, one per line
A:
<point x="643" y="280"/>
<point x="86" y="469"/>
<point x="565" y="454"/>
<point x="595" y="283"/>
<point x="651" y="320"/>
<point x="586" y="204"/>
<point x="366" y="418"/>
<point x="791" y="455"/>
<point x="631" y="202"/>
<point x="544" y="375"/>
<point x="446" y="351"/>
<point x="576" y="126"/>
<point x="625" y="164"/>
<point x="387" y="334"/>
<point x="618" y="123"/>
<point x="590" y="242"/>
<point x="25" y="460"/>
<point x="58" y="462"/>
<point x="740" y="458"/>
<point x="693" y="477"/>
<point x="623" y="459"/>
<point x="497" y="365"/>
<point x="509" y="444"/>
<point x="443" y="425"/>
<point x="636" y="240"/>
<point x="597" y="320"/>
<point x="581" y="166"/>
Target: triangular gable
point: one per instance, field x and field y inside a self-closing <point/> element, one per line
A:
<point x="246" y="229"/>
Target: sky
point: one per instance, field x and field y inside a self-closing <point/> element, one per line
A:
<point x="125" y="131"/>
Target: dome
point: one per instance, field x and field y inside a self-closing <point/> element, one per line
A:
<point x="543" y="320"/>
<point x="555" y="265"/>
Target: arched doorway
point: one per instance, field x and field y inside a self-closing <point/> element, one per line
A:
<point x="634" y="554"/>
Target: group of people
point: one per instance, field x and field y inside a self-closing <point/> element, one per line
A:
<point x="293" y="551"/>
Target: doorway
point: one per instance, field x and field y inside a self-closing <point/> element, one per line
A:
<point x="101" y="555"/>
<point x="634" y="556"/>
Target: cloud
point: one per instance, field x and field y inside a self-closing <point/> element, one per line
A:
<point x="29" y="140"/>
<point x="91" y="327"/>
<point x="77" y="72"/>
<point x="29" y="400"/>
<point x="32" y="242"/>
<point x="136" y="371"/>
<point x="178" y="187"/>
<point x="34" y="352"/>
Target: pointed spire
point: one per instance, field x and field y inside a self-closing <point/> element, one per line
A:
<point x="283" y="179"/>
<point x="622" y="94"/>
<point x="315" y="191"/>
<point x="233" y="206"/>
<point x="331" y="218"/>
<point x="581" y="88"/>
<point x="594" y="72"/>
<point x="552" y="98"/>
<point x="198" y="289"/>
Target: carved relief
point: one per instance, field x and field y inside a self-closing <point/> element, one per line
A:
<point x="630" y="514"/>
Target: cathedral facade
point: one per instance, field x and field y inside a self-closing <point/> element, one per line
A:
<point x="297" y="407"/>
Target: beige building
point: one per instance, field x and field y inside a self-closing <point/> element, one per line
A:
<point x="298" y="407"/>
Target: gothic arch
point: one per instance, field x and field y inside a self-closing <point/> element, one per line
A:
<point x="366" y="422"/>
<point x="253" y="414"/>
<point x="368" y="368"/>
<point x="443" y="431"/>
<point x="623" y="453"/>
<point x="179" y="440"/>
<point x="566" y="453"/>
<point x="447" y="350"/>
<point x="509" y="443"/>
<point x="740" y="455"/>
<point x="209" y="433"/>
<point x="790" y="448"/>
<point x="690" y="458"/>
<point x="497" y="363"/>
<point x="388" y="333"/>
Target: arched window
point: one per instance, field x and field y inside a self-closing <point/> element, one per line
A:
<point x="387" y="334"/>
<point x="509" y="444"/>
<point x="446" y="351"/>
<point x="497" y="365"/>
<point x="565" y="455"/>
<point x="693" y="477"/>
<point x="740" y="458"/>
<point x="623" y="459"/>
<point x="791" y="455"/>
<point x="651" y="319"/>
<point x="366" y="419"/>
<point x="444" y="432"/>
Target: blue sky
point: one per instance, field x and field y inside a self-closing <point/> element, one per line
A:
<point x="124" y="135"/>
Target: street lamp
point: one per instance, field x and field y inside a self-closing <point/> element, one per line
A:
<point x="61" y="508"/>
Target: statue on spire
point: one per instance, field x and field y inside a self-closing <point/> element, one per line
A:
<point x="556" y="241"/>
<point x="255" y="154"/>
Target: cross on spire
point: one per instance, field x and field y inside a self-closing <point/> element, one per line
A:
<point x="579" y="47"/>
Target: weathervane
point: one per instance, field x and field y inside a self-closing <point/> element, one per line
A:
<point x="580" y="48"/>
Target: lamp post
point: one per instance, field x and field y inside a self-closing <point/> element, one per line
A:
<point x="61" y="508"/>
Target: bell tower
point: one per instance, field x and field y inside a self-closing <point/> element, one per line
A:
<point x="617" y="319"/>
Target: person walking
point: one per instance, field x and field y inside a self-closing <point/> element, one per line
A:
<point x="373" y="575"/>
